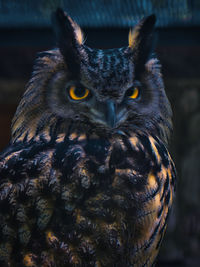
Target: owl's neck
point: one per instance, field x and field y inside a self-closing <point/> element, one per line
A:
<point x="55" y="129"/>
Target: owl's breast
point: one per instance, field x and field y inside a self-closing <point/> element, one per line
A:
<point x="85" y="201"/>
<point x="119" y="192"/>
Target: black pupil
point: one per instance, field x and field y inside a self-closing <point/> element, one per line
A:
<point x="129" y="92"/>
<point x="79" y="91"/>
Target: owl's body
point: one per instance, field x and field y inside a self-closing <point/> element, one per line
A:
<point x="87" y="179"/>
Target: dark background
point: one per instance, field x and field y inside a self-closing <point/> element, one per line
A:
<point x="25" y="30"/>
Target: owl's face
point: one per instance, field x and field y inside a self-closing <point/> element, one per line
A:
<point x="103" y="90"/>
<point x="107" y="90"/>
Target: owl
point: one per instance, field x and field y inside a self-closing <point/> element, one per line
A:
<point x="87" y="179"/>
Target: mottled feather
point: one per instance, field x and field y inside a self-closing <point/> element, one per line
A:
<point x="75" y="191"/>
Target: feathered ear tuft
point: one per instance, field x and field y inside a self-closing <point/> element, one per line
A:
<point x="78" y="32"/>
<point x="69" y="38"/>
<point x="141" y="40"/>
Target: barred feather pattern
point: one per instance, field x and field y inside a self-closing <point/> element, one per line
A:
<point x="81" y="200"/>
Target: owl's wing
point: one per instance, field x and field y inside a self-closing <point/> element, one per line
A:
<point x="28" y="188"/>
<point x="41" y="184"/>
<point x="151" y="175"/>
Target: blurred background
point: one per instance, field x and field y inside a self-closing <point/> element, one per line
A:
<point x="25" y="29"/>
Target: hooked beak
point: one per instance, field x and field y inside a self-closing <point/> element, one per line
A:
<point x="110" y="113"/>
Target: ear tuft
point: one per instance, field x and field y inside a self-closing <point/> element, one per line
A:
<point x="65" y="28"/>
<point x="69" y="38"/>
<point x="78" y="32"/>
<point x="141" y="30"/>
<point x="141" y="40"/>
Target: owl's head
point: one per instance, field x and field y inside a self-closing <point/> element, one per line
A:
<point x="95" y="90"/>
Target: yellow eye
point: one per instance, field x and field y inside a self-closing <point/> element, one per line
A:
<point x="78" y="93"/>
<point x="133" y="92"/>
